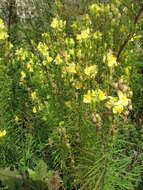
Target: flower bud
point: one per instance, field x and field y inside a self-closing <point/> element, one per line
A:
<point x="120" y="81"/>
<point x="130" y="107"/>
<point x="125" y="88"/>
<point x="94" y="119"/>
<point x="68" y="145"/>
<point x="115" y="85"/>
<point x="121" y="86"/>
<point x="131" y="93"/>
<point x="126" y="113"/>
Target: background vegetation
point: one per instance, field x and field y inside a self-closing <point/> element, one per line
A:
<point x="71" y="95"/>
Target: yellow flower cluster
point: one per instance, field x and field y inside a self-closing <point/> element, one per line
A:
<point x="84" y="35"/>
<point x="94" y="96"/>
<point x="117" y="104"/>
<point x="44" y="50"/>
<point x="58" y="24"/>
<point x="71" y="68"/>
<point x="91" y="71"/>
<point x="58" y="59"/>
<point x="98" y="8"/>
<point x="3" y="33"/>
<point x="21" y="54"/>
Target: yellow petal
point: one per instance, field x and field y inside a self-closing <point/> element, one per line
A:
<point x="2" y="133"/>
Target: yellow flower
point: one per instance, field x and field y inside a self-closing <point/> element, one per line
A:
<point x="29" y="67"/>
<point x="58" y="60"/>
<point x="54" y="23"/>
<point x="79" y="37"/>
<point x="110" y="102"/>
<point x="50" y="59"/>
<point x="87" y="97"/>
<point x="34" y="109"/>
<point x="71" y="51"/>
<point x="91" y="71"/>
<point x="2" y="133"/>
<point x="43" y="49"/>
<point x="117" y="109"/>
<point x="1" y="24"/>
<point x="3" y="33"/>
<point x="85" y="34"/>
<point x="57" y="24"/>
<point x="16" y="119"/>
<point x="101" y="95"/>
<point x="79" y="54"/>
<point x="111" y="60"/>
<point x="44" y="63"/>
<point x="122" y="98"/>
<point x="97" y="35"/>
<point x="33" y="96"/>
<point x="71" y="68"/>
<point x="23" y="75"/>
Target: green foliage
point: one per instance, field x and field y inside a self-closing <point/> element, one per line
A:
<point x="71" y="97"/>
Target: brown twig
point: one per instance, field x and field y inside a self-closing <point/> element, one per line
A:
<point x="9" y="20"/>
<point x="123" y="45"/>
<point x="12" y="15"/>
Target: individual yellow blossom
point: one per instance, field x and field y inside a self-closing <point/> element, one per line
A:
<point x="23" y="75"/>
<point x="2" y="133"/>
<point x="117" y="109"/>
<point x="54" y="23"/>
<point x="34" y="109"/>
<point x="43" y="49"/>
<point x="30" y="67"/>
<point x="58" y="60"/>
<point x="87" y="97"/>
<point x="122" y="98"/>
<point x="16" y="119"/>
<point x="49" y="59"/>
<point x="101" y="95"/>
<point x="33" y="96"/>
<point x="111" y="60"/>
<point x="71" y="68"/>
<point x="97" y="35"/>
<point x="110" y="102"/>
<point x="91" y="71"/>
<point x="44" y="62"/>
